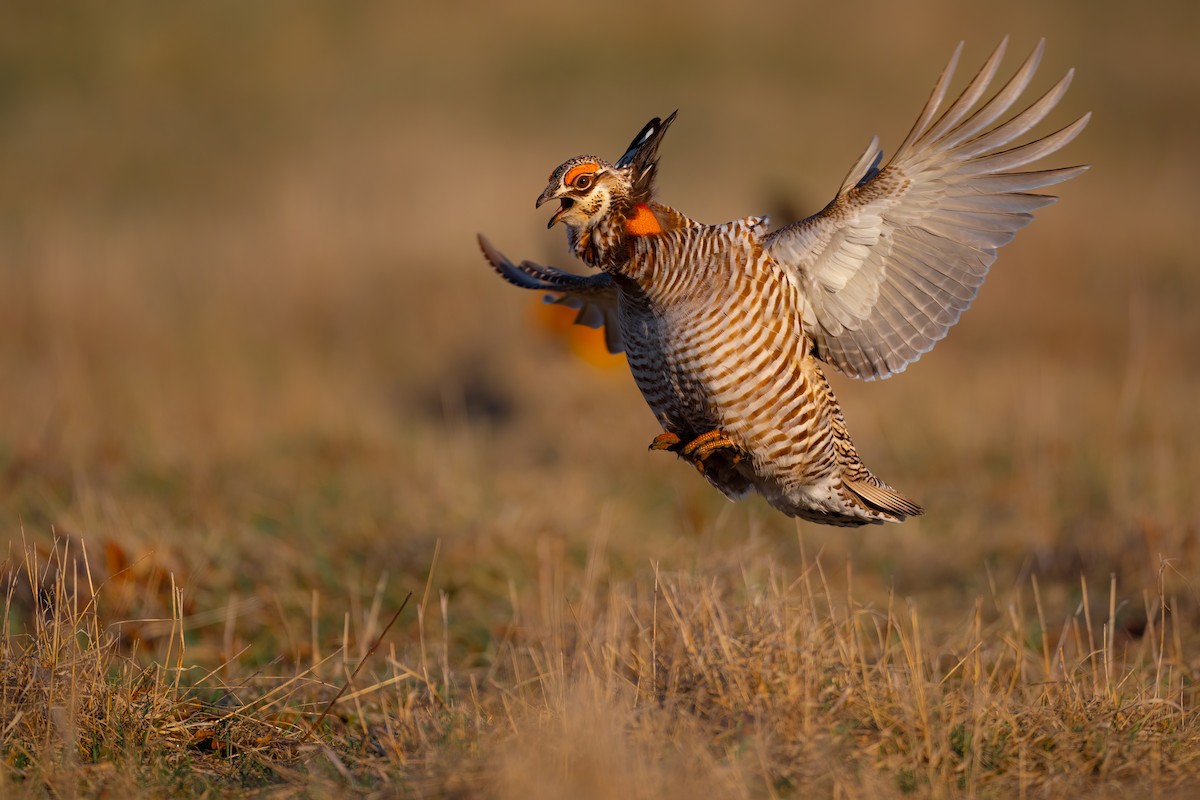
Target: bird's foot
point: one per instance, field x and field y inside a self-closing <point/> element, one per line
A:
<point x="698" y="450"/>
<point x="666" y="441"/>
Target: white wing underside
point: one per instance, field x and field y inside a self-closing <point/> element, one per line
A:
<point x="898" y="255"/>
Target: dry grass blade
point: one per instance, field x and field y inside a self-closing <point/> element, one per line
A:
<point x="370" y="652"/>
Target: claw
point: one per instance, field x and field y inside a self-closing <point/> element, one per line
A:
<point x="665" y="441"/>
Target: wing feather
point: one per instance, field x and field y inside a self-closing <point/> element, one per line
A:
<point x="971" y="95"/>
<point x="899" y="254"/>
<point x="998" y="105"/>
<point x="595" y="296"/>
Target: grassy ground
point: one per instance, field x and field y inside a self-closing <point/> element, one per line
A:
<point x="259" y="386"/>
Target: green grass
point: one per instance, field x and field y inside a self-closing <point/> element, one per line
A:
<point x="258" y="385"/>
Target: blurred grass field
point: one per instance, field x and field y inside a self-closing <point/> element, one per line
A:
<point x="259" y="385"/>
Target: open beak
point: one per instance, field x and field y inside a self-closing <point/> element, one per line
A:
<point x="551" y="193"/>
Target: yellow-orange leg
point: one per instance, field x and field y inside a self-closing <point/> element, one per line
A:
<point x="698" y="450"/>
<point x="704" y="445"/>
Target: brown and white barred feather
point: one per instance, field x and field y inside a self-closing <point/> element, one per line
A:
<point x="714" y="340"/>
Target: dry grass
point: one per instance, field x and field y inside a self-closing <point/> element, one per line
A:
<point x="258" y="386"/>
<point x="751" y="683"/>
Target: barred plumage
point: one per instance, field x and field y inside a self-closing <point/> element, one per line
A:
<point x="724" y="326"/>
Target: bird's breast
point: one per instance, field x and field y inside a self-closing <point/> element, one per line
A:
<point x="713" y="338"/>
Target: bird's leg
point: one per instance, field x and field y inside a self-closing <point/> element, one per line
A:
<point x="699" y="449"/>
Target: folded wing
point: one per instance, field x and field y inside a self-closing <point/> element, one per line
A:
<point x="898" y="255"/>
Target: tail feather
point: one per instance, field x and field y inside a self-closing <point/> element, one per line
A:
<point x="883" y="498"/>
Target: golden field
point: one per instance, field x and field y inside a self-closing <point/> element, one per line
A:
<point x="259" y="385"/>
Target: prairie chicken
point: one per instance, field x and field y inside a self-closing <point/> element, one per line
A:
<point x="725" y="326"/>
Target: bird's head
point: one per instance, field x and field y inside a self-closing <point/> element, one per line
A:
<point x="589" y="188"/>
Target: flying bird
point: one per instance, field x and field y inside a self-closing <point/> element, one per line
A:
<point x="727" y="328"/>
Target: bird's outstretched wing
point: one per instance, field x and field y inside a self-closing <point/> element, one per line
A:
<point x="594" y="295"/>
<point x="898" y="255"/>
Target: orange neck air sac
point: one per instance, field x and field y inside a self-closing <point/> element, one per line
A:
<point x="642" y="222"/>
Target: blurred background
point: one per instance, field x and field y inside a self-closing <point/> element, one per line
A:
<point x="247" y="338"/>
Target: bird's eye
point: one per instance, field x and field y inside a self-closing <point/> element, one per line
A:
<point x="582" y="182"/>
